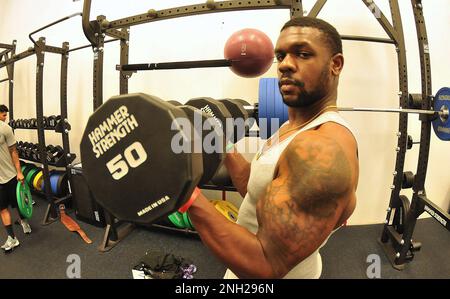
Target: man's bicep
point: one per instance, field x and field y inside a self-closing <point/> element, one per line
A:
<point x="302" y="205"/>
<point x="287" y="234"/>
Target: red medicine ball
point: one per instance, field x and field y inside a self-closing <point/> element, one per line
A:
<point x="251" y="52"/>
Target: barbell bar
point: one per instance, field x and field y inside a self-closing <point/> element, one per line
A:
<point x="443" y="113"/>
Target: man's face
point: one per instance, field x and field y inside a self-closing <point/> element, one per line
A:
<point x="3" y="116"/>
<point x="303" y="66"/>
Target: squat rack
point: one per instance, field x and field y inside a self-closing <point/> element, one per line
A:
<point x="403" y="247"/>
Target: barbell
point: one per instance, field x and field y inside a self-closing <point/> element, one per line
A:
<point x="143" y="157"/>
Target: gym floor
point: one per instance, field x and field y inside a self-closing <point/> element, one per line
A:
<point x="43" y="254"/>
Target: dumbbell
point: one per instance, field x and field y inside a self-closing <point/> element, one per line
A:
<point x="240" y="117"/>
<point x="35" y="155"/>
<point x="20" y="148"/>
<point x="33" y="123"/>
<point x="54" y="153"/>
<point x="142" y="148"/>
<point x="49" y="149"/>
<point x="175" y="103"/>
<point x="27" y="150"/>
<point x="210" y="109"/>
<point x="51" y="121"/>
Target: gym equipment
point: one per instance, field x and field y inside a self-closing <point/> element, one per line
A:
<point x="38" y="181"/>
<point x="221" y="177"/>
<point x="251" y="52"/>
<point x="441" y="124"/>
<point x="248" y="53"/>
<point x="33" y="123"/>
<point x="408" y="180"/>
<point x="54" y="153"/>
<point x="272" y="112"/>
<point x="34" y="153"/>
<point x="24" y="200"/>
<point x="31" y="175"/>
<point x="86" y="207"/>
<point x="400" y="214"/>
<point x="227" y="209"/>
<point x="410" y="142"/>
<point x="51" y="121"/>
<point x="272" y="107"/>
<point x="27" y="168"/>
<point x="175" y="103"/>
<point x="216" y="110"/>
<point x="239" y="116"/>
<point x="58" y="183"/>
<point x="177" y="220"/>
<point x="124" y="155"/>
<point x="187" y="221"/>
<point x="204" y="125"/>
<point x="180" y="220"/>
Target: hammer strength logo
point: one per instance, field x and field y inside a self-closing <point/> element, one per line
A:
<point x="374" y="9"/>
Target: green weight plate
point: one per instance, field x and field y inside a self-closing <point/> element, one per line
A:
<point x="24" y="200"/>
<point x="187" y="221"/>
<point x="27" y="169"/>
<point x="30" y="176"/>
<point x="177" y="220"/>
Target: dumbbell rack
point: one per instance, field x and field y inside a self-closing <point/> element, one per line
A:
<point x="39" y="49"/>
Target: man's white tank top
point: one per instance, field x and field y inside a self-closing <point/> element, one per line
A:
<point x="262" y="174"/>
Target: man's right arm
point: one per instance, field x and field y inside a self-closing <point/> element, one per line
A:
<point x="239" y="170"/>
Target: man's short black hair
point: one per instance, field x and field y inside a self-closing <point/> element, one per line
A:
<point x="332" y="37"/>
<point x="3" y="108"/>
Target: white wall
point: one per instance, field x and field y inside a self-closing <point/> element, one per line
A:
<point x="369" y="77"/>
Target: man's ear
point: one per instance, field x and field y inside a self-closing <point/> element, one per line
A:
<point x="337" y="64"/>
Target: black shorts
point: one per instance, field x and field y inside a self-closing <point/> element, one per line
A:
<point x="8" y="194"/>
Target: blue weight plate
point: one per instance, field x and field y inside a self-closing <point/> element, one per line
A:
<point x="262" y="107"/>
<point x="441" y="125"/>
<point x="54" y="177"/>
<point x="278" y="105"/>
<point x="271" y="105"/>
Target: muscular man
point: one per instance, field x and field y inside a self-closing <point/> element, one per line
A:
<point x="10" y="174"/>
<point x="299" y="188"/>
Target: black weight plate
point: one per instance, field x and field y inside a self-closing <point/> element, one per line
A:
<point x="240" y="117"/>
<point x="212" y="157"/>
<point x="129" y="162"/>
<point x="215" y="110"/>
